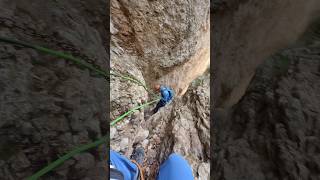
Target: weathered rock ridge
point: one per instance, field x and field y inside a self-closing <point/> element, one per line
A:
<point x="245" y="33"/>
<point x="273" y="131"/>
<point x="163" y="42"/>
<point x="47" y="105"/>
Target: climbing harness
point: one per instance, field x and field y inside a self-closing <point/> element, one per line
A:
<point x="100" y="72"/>
<point x="140" y="168"/>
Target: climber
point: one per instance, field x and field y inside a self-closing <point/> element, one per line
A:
<point x="121" y="168"/>
<point x="166" y="96"/>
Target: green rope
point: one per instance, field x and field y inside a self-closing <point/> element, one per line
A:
<point x="131" y="111"/>
<point x="57" y="54"/>
<point x="75" y="60"/>
<point x="99" y="71"/>
<point x="67" y="156"/>
<point x="85" y="147"/>
<point x="129" y="78"/>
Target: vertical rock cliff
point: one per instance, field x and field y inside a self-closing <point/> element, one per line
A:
<point x="49" y="106"/>
<point x="266" y="90"/>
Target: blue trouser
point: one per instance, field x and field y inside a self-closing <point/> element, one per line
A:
<point x="174" y="168"/>
<point x="160" y="104"/>
<point x="129" y="170"/>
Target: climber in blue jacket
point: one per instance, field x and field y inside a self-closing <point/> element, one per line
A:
<point x="166" y="96"/>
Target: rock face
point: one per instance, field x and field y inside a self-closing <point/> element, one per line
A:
<point x="245" y="33"/>
<point x="167" y="39"/>
<point x="273" y="132"/>
<point x="163" y="42"/>
<point x="182" y="127"/>
<point x="47" y="105"/>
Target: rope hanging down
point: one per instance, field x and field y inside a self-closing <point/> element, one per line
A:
<point x="75" y="60"/>
<point x="67" y="156"/>
<point x="57" y="54"/>
<point x="85" y="147"/>
<point x="132" y="111"/>
<point x="100" y="72"/>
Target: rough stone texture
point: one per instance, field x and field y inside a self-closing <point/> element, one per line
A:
<point x="181" y="127"/>
<point x="245" y="33"/>
<point x="167" y="39"/>
<point x="163" y="42"/>
<point x="122" y="93"/>
<point x="273" y="132"/>
<point x="49" y="106"/>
